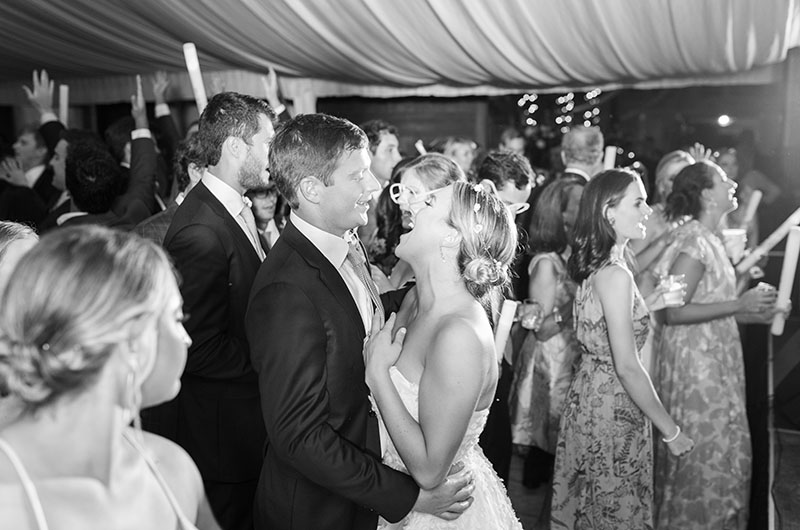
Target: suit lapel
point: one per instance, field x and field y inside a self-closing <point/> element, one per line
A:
<point x="327" y="272"/>
<point x="240" y="239"/>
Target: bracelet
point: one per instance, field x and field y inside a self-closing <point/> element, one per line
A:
<point x="673" y="438"/>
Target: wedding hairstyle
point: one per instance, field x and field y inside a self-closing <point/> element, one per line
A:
<point x="594" y="236"/>
<point x="310" y="145"/>
<point x="72" y="299"/>
<point x="666" y="170"/>
<point x="686" y="197"/>
<point x="488" y="238"/>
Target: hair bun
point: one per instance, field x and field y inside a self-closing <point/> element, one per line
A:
<point x="485" y="272"/>
<point x="21" y="372"/>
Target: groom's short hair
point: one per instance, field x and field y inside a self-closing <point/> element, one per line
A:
<point x="310" y="145"/>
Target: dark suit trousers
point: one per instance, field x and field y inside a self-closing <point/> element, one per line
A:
<point x="232" y="504"/>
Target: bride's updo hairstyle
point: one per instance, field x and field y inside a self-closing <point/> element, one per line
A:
<point x="69" y="302"/>
<point x="488" y="237"/>
<point x="686" y="197"/>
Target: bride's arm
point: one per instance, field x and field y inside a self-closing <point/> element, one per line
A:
<point x="449" y="390"/>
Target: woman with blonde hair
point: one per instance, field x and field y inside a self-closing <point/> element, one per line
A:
<point x="91" y="331"/>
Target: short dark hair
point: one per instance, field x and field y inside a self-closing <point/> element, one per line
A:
<point x="118" y="134"/>
<point x="31" y="128"/>
<point x="310" y="145"/>
<point x="503" y="166"/>
<point x="375" y="129"/>
<point x="229" y="114"/>
<point x="187" y="152"/>
<point x="92" y="177"/>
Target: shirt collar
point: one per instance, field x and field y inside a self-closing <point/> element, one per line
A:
<point x="33" y="174"/>
<point x="334" y="248"/>
<point x="580" y="172"/>
<point x="229" y="197"/>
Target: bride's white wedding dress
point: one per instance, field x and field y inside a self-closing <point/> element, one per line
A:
<point x="491" y="508"/>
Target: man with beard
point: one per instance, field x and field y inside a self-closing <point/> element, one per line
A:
<point x="216" y="249"/>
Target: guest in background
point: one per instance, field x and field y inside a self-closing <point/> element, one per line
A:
<point x="384" y="154"/>
<point x="511" y="140"/>
<point x="603" y="468"/>
<point x="82" y="352"/>
<point x="700" y="373"/>
<point x="216" y="250"/>
<point x="582" y="152"/>
<point x="544" y="366"/>
<point x="265" y="207"/>
<point x="460" y="150"/>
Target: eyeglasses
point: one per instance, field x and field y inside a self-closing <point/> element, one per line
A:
<point x="403" y="195"/>
<point x="517" y="208"/>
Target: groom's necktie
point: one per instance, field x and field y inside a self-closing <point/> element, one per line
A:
<point x="356" y="258"/>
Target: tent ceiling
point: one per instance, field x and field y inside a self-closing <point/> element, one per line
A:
<point x="505" y="44"/>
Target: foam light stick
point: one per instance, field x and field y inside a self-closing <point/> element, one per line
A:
<point x="193" y="66"/>
<point x="507" y="313"/>
<point x="610" y="157"/>
<point x="752" y="207"/>
<point x="787" y="278"/>
<point x="774" y="238"/>
<point x="63" y="104"/>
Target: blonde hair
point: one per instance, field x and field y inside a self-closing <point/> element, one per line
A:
<point x="488" y="238"/>
<point x="70" y="301"/>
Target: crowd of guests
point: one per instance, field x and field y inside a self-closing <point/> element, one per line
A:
<point x="304" y="321"/>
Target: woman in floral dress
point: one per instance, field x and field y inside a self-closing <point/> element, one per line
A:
<point x="700" y="371"/>
<point x="603" y="469"/>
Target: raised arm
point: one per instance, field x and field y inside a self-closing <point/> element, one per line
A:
<point x="615" y="289"/>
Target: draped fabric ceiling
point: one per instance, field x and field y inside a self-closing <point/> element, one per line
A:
<point x="388" y="48"/>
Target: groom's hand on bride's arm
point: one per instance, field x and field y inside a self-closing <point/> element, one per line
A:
<point x="449" y="499"/>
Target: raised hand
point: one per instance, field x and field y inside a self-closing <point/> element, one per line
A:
<point x="270" y="82"/>
<point x="160" y="86"/>
<point x="138" y="106"/>
<point x="699" y="152"/>
<point x="41" y="96"/>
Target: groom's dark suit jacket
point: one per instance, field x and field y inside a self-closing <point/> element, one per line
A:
<point x="322" y="466"/>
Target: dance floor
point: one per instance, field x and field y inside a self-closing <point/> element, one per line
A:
<point x="527" y="503"/>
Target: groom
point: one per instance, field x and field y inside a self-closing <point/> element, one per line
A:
<point x="309" y="313"/>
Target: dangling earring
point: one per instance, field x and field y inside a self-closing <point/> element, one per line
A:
<point x="133" y="398"/>
<point x="441" y="253"/>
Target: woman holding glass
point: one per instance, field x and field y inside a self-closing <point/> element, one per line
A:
<point x="699" y="365"/>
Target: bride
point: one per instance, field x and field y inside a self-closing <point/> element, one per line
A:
<point x="434" y="381"/>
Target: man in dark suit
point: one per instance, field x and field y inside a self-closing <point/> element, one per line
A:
<point x="308" y="316"/>
<point x="213" y="241"/>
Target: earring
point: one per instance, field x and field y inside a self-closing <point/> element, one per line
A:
<point x="133" y="399"/>
<point x="612" y="221"/>
<point x="441" y="253"/>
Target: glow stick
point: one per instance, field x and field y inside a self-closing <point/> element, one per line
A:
<point x="420" y="147"/>
<point x="610" y="157"/>
<point x="193" y="66"/>
<point x="63" y="104"/>
<point x="504" y="327"/>
<point x="787" y="278"/>
<point x="768" y="244"/>
<point x="752" y="206"/>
